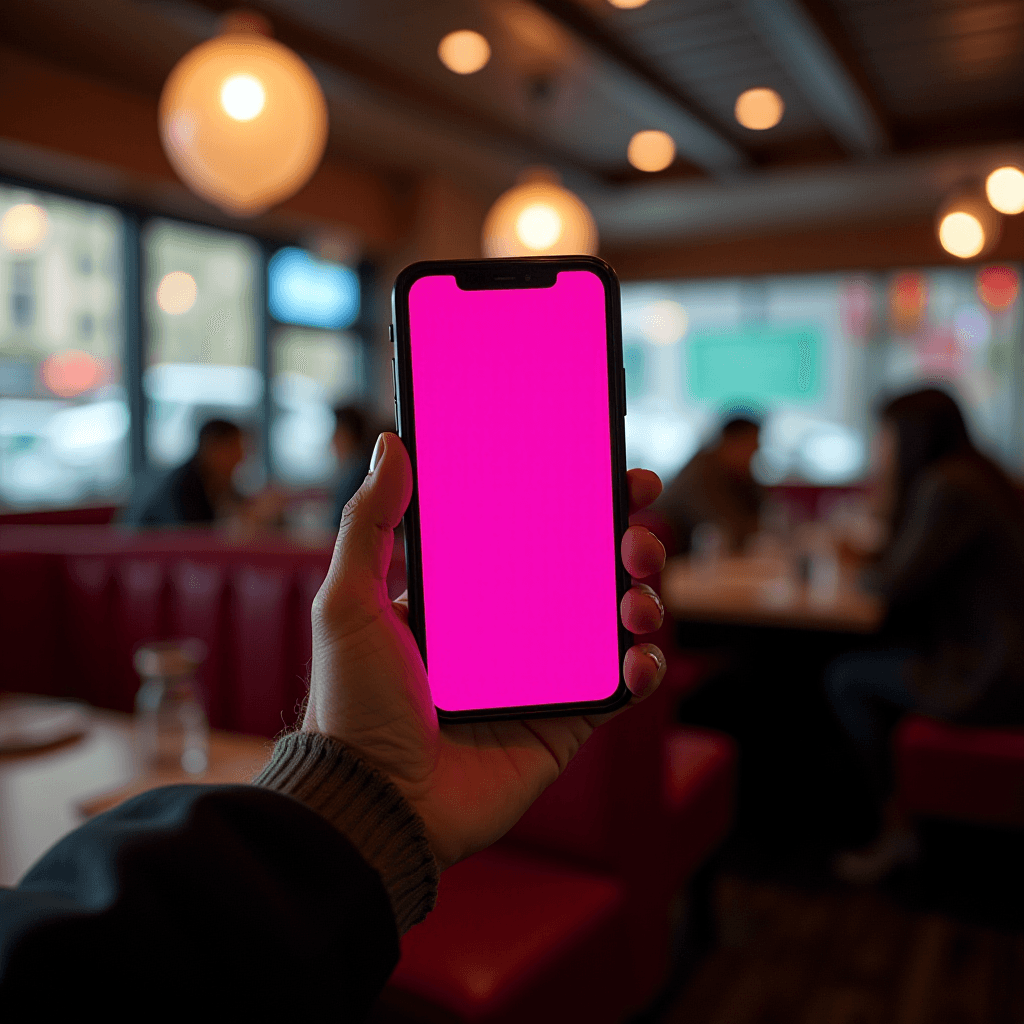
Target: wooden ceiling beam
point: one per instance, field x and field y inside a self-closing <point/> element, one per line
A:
<point x="642" y="89"/>
<point x="816" y="55"/>
<point x="407" y="89"/>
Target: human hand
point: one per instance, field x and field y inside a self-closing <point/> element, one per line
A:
<point x="470" y="783"/>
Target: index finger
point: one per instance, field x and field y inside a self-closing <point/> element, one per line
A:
<point x="644" y="487"/>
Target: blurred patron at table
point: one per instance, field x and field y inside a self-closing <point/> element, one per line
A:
<point x="353" y="446"/>
<point x="952" y="577"/>
<point x="202" y="490"/>
<point x="716" y="489"/>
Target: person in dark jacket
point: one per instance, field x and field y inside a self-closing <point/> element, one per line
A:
<point x="289" y="895"/>
<point x="201" y="490"/>
<point x="716" y="487"/>
<point x="952" y="576"/>
<point x="352" y="452"/>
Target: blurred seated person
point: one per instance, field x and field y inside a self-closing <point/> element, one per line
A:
<point x="716" y="487"/>
<point x="351" y="443"/>
<point x="202" y="491"/>
<point x="952" y="576"/>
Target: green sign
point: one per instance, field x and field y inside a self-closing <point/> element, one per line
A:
<point x="755" y="364"/>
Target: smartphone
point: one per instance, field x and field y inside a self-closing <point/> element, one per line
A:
<point x="510" y="399"/>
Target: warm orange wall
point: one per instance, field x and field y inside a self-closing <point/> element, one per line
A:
<point x="849" y="246"/>
<point x="45" y="106"/>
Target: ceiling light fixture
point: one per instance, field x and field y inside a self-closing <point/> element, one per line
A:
<point x="651" y="151"/>
<point x="759" y="109"/>
<point x="537" y="217"/>
<point x="1005" y="190"/>
<point x="967" y="225"/>
<point x="464" y="52"/>
<point x="243" y="120"/>
<point x="627" y="5"/>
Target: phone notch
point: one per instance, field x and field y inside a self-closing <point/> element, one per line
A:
<point x="480" y="278"/>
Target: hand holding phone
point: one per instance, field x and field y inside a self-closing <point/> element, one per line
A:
<point x="469" y="782"/>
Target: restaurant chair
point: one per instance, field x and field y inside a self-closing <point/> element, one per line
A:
<point x="960" y="773"/>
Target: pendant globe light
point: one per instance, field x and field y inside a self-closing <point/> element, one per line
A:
<point x="538" y="217"/>
<point x="243" y="120"/>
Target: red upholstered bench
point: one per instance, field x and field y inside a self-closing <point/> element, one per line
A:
<point x="642" y="805"/>
<point x="515" y="938"/>
<point x="960" y="773"/>
<point x="75" y="601"/>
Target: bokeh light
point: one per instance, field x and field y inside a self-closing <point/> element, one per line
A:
<point x="961" y="234"/>
<point x="908" y="299"/>
<point x="314" y="293"/>
<point x="243" y="97"/>
<point x="998" y="287"/>
<point x="176" y="293"/>
<point x="759" y="109"/>
<point x="71" y="373"/>
<point x="539" y="218"/>
<point x="539" y="226"/>
<point x="464" y="52"/>
<point x="1005" y="190"/>
<point x="651" y="151"/>
<point x="972" y="327"/>
<point x="627" y="5"/>
<point x="243" y="121"/>
<point x="664" y="322"/>
<point x="24" y="227"/>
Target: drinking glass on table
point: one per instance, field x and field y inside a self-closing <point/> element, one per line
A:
<point x="171" y="730"/>
<point x="707" y="545"/>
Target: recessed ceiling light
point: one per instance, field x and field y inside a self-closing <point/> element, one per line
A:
<point x="759" y="109"/>
<point x="1005" y="190"/>
<point x="961" y="234"/>
<point x="651" y="151"/>
<point x="464" y="52"/>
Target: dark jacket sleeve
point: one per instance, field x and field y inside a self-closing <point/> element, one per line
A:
<point x="191" y="897"/>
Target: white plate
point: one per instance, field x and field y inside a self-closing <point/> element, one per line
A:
<point x="30" y="723"/>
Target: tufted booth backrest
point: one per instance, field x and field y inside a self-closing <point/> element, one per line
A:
<point x="75" y="602"/>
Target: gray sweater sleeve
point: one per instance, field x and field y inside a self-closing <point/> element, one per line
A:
<point x="367" y="808"/>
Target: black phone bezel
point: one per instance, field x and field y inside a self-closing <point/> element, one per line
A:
<point x="512" y="273"/>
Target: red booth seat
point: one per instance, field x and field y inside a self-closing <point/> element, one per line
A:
<point x="76" y="601"/>
<point x="960" y="773"/>
<point x="642" y="805"/>
<point x="515" y="938"/>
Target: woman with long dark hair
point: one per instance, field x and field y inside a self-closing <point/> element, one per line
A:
<point x="952" y="575"/>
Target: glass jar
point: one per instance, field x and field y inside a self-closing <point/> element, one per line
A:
<point x="171" y="730"/>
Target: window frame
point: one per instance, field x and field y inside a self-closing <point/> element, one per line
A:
<point x="135" y="217"/>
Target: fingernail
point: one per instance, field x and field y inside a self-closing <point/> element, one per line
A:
<point x="659" y="660"/>
<point x="657" y="601"/>
<point x="378" y="453"/>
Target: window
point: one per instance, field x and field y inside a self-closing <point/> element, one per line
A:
<point x="63" y="405"/>
<point x="317" y="364"/>
<point x="202" y="317"/>
<point x="813" y="355"/>
<point x="217" y="323"/>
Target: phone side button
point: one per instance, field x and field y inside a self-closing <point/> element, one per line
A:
<point x="623" y="391"/>
<point x="391" y="333"/>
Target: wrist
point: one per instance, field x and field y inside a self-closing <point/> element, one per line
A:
<point x="368" y="808"/>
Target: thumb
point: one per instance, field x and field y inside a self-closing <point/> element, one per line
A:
<point x="362" y="552"/>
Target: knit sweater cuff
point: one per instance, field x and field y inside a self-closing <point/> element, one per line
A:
<point x="367" y="807"/>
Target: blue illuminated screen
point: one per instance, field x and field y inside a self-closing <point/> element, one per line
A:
<point x="310" y="292"/>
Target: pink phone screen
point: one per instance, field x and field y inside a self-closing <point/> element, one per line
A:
<point x="514" y="468"/>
